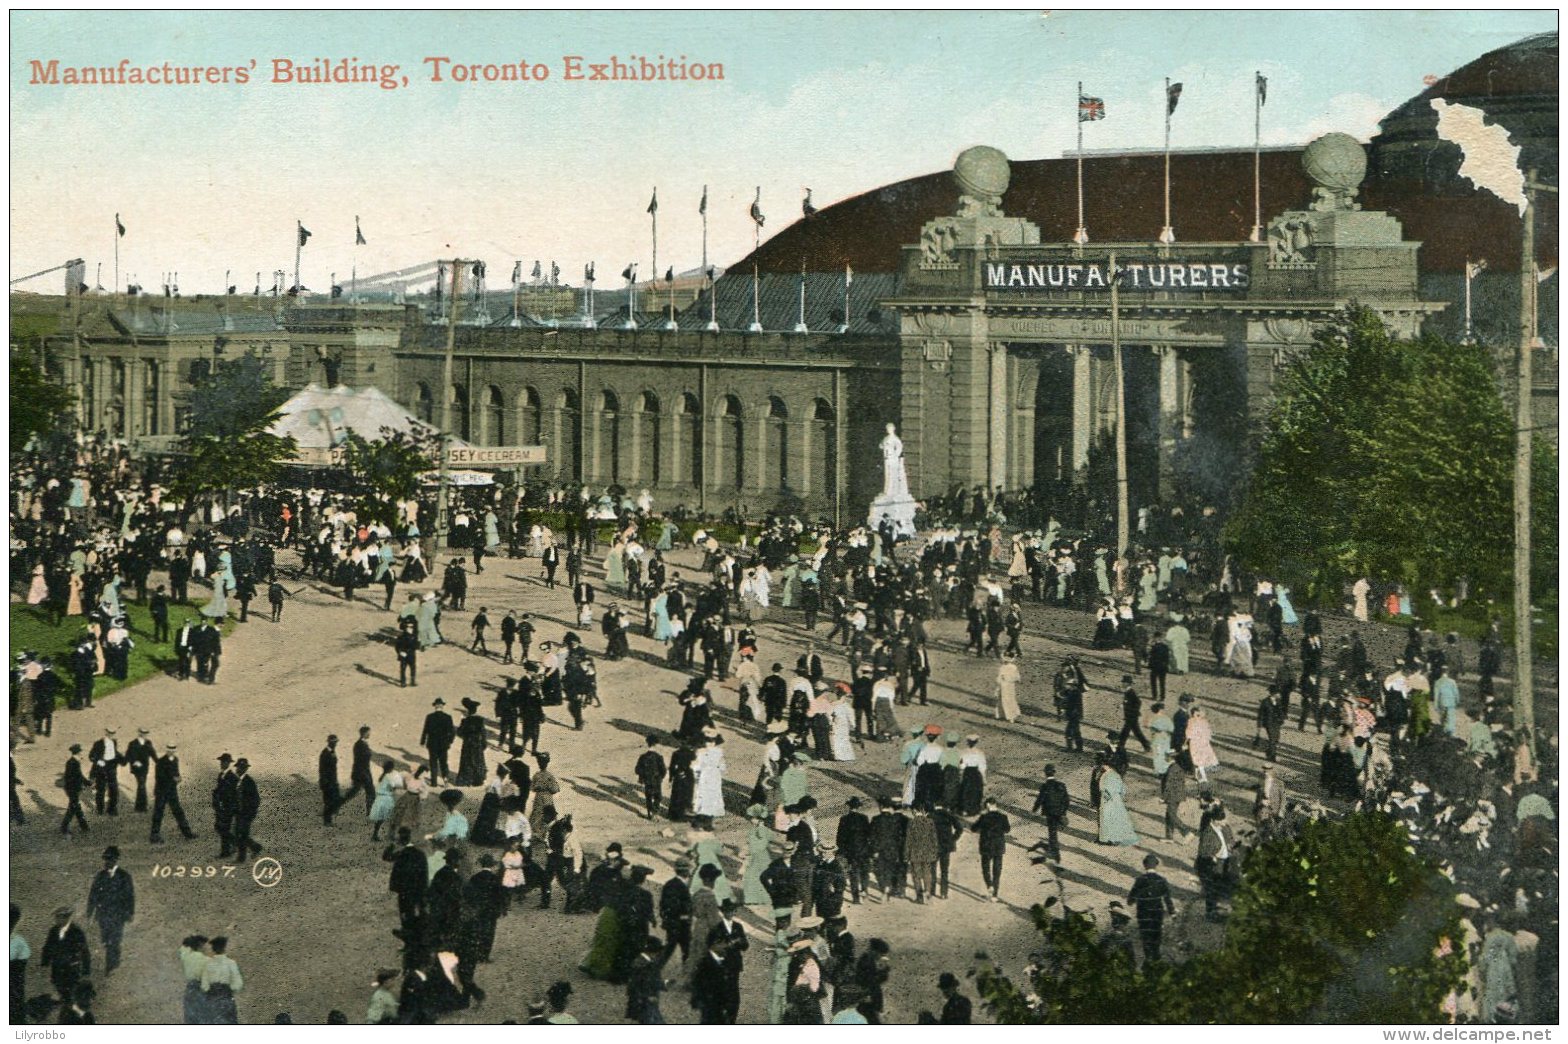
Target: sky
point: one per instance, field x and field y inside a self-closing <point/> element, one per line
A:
<point x="210" y="178"/>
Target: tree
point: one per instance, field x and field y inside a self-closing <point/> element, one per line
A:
<point x="1385" y="458"/>
<point x="387" y="469"/>
<point x="228" y="445"/>
<point x="39" y="406"/>
<point x="1340" y="923"/>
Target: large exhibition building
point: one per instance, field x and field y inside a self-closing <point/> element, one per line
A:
<point x="973" y="321"/>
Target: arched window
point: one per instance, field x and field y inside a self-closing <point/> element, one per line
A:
<point x="530" y="418"/>
<point x="688" y="440"/>
<point x="732" y="443"/>
<point x="458" y="398"/>
<point x="494" y="433"/>
<point x="424" y="403"/>
<point x="775" y="453"/>
<point x="822" y="450"/>
<point x="609" y="446"/>
<point x="152" y="389"/>
<point x="568" y="435"/>
<point x="648" y="439"/>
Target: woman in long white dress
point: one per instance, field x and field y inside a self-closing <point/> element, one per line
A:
<point x="709" y="767"/>
<point x="843" y="724"/>
<point x="1007" y="689"/>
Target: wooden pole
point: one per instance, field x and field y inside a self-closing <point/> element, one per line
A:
<point x="446" y="404"/>
<point x="1524" y="692"/>
<point x="1122" y="527"/>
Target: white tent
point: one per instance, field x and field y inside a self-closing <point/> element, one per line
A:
<point x="321" y="418"/>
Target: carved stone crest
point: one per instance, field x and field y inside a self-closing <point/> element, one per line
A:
<point x="937" y="241"/>
<point x="1292" y="236"/>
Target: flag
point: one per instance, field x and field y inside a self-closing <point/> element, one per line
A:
<point x="517" y="272"/>
<point x="479" y="269"/>
<point x="304" y="234"/>
<point x="712" y="277"/>
<point x="1263" y="89"/>
<point x="538" y="272"/>
<point x="849" y="275"/>
<point x="805" y="205"/>
<point x="1090" y="109"/>
<point x="588" y="272"/>
<point x="119" y="226"/>
<point x="756" y="208"/>
<point x="1474" y="268"/>
<point x="337" y="290"/>
<point x="359" y="237"/>
<point x="555" y="273"/>
<point x="234" y="289"/>
<point x="669" y="276"/>
<point x="1541" y="274"/>
<point x="1172" y="96"/>
<point x="626" y="274"/>
<point x="702" y="208"/>
<point x="653" y="204"/>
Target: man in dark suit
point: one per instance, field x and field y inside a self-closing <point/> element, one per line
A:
<point x="675" y="912"/>
<point x="1151" y="897"/>
<point x="854" y="846"/>
<point x="139" y="755"/>
<point x="112" y="900"/>
<point x="158" y="609"/>
<point x="360" y="778"/>
<point x="406" y="645"/>
<point x="245" y="814"/>
<point x="1216" y="847"/>
<point x="180" y="577"/>
<point x="887" y="847"/>
<point x="993" y="828"/>
<point x="650" y="773"/>
<point x="105" y="772"/>
<point x="185" y="648"/>
<point x="1052" y="802"/>
<point x="582" y="594"/>
<point x="410" y="877"/>
<point x="225" y="802"/>
<point x="919" y="673"/>
<point x="66" y="955"/>
<point x="436" y="738"/>
<point x="327" y="780"/>
<point x="1132" y="710"/>
<point x="552" y="560"/>
<point x="710" y="981"/>
<point x="75" y="782"/>
<point x="734" y="957"/>
<point x="166" y="794"/>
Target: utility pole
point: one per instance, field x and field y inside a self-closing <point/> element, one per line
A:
<point x="1122" y="534"/>
<point x="1524" y="681"/>
<point x="446" y="400"/>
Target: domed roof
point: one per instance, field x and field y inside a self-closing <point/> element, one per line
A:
<point x="1516" y="86"/>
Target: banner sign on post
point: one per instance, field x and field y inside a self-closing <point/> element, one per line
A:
<point x="493" y="456"/>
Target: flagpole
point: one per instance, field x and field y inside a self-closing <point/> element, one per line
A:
<point x="116" y="253"/>
<point x="756" y="308"/>
<point x="517" y="292"/>
<point x="846" y="300"/>
<point x="800" y="327"/>
<point x="1257" y="152"/>
<point x="655" y="214"/>
<point x="705" y="228"/>
<point x="713" y="294"/>
<point x="1167" y="234"/>
<point x="1082" y="235"/>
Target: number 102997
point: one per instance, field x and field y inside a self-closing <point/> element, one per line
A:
<point x="192" y="871"/>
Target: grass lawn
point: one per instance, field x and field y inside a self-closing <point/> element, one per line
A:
<point x="31" y="630"/>
<point x="1473" y="619"/>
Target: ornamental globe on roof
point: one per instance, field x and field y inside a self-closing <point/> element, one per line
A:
<point x="982" y="173"/>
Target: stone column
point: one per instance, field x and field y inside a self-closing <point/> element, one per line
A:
<point x="1083" y="408"/>
<point x="1000" y="403"/>
<point x="1170" y="406"/>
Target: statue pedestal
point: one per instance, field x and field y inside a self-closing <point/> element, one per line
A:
<point x="900" y="510"/>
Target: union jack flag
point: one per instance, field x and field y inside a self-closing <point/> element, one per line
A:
<point x="1090" y="109"/>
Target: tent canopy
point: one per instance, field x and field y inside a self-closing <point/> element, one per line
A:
<point x="320" y="419"/>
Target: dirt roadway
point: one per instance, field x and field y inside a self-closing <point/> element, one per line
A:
<point x="311" y="942"/>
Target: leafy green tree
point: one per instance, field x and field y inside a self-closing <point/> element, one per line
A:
<point x="387" y="469"/>
<point x="228" y="446"/>
<point x="39" y="406"/>
<point x="1386" y="458"/>
<point x="1341" y="923"/>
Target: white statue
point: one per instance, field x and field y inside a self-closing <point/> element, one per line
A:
<point x="895" y="481"/>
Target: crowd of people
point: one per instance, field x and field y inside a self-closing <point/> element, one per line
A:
<point x="1421" y="743"/>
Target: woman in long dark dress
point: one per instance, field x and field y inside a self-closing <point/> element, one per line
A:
<point x="487" y="823"/>
<point x="471" y="763"/>
<point x="683" y="783"/>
